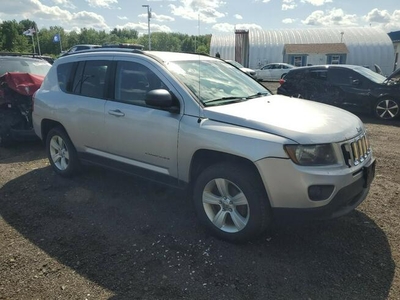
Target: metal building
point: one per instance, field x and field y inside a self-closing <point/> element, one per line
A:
<point x="254" y="48"/>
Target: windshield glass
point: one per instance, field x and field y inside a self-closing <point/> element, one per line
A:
<point x="37" y="67"/>
<point x="214" y="81"/>
<point x="375" y="77"/>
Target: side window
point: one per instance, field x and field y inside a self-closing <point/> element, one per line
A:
<point x="320" y="75"/>
<point x="339" y="77"/>
<point x="133" y="81"/>
<point x="64" y="76"/>
<point x="90" y="79"/>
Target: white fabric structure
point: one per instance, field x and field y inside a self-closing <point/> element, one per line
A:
<point x="367" y="45"/>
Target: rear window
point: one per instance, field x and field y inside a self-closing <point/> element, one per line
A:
<point x="37" y="67"/>
<point x="295" y="75"/>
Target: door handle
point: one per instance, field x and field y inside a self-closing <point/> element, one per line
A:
<point x="116" y="113"/>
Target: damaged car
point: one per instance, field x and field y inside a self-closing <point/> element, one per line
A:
<point x="354" y="88"/>
<point x="20" y="78"/>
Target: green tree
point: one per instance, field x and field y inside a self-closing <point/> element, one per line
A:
<point x="12" y="39"/>
<point x="188" y="45"/>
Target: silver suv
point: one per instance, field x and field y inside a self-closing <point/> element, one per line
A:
<point x="193" y="121"/>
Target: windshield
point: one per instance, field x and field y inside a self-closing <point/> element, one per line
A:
<point x="214" y="81"/>
<point x="371" y="75"/>
<point x="37" y="67"/>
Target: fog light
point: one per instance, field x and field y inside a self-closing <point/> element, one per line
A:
<point x="320" y="192"/>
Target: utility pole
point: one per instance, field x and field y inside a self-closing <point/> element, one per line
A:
<point x="148" y="22"/>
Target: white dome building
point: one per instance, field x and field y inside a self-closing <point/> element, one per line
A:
<point x="254" y="48"/>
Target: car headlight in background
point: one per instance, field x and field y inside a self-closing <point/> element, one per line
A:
<point x="312" y="155"/>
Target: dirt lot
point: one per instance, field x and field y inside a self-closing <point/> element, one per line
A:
<point x="105" y="235"/>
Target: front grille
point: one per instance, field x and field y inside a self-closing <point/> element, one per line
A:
<point x="356" y="150"/>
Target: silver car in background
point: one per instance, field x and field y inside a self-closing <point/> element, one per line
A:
<point x="249" y="71"/>
<point x="273" y="71"/>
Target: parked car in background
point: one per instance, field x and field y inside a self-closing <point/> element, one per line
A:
<point x="194" y="121"/>
<point x="354" y="88"/>
<point x="80" y="47"/>
<point x="251" y="72"/>
<point x="20" y="77"/>
<point x="273" y="71"/>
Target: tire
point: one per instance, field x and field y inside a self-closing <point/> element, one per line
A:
<point x="61" y="153"/>
<point x="387" y="109"/>
<point x="216" y="193"/>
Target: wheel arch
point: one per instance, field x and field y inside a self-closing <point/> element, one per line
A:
<point x="204" y="158"/>
<point x="47" y="125"/>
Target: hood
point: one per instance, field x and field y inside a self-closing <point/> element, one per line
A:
<point x="303" y="121"/>
<point x="395" y="75"/>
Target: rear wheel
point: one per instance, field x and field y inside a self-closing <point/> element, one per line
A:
<point x="387" y="109"/>
<point x="61" y="153"/>
<point x="231" y="202"/>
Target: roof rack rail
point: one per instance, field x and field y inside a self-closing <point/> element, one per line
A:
<point x="124" y="45"/>
<point x="105" y="49"/>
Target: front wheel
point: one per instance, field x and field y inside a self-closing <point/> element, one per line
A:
<point x="61" y="152"/>
<point x="387" y="109"/>
<point x="231" y="202"/>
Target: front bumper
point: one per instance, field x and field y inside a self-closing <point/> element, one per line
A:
<point x="287" y="190"/>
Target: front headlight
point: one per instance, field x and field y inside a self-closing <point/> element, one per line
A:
<point x="312" y="155"/>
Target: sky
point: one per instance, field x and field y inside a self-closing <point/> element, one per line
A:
<point x="199" y="17"/>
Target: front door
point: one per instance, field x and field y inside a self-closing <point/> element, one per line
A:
<point x="145" y="138"/>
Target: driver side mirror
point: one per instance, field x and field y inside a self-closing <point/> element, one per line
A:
<point x="161" y="98"/>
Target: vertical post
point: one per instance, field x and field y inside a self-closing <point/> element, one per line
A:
<point x="37" y="37"/>
<point x="148" y="22"/>
<point x="33" y="44"/>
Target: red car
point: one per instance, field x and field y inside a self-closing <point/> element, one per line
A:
<point x="20" y="77"/>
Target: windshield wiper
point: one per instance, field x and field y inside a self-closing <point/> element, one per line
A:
<point x="258" y="95"/>
<point x="224" y="100"/>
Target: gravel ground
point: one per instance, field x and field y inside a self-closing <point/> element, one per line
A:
<point x="105" y="235"/>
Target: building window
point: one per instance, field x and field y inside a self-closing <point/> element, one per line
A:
<point x="298" y="61"/>
<point x="335" y="59"/>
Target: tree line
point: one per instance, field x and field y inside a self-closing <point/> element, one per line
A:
<point x="24" y="37"/>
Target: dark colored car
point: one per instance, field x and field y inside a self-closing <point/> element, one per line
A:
<point x="20" y="77"/>
<point x="354" y="88"/>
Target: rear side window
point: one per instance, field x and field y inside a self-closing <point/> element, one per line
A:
<point x="321" y="75"/>
<point x="90" y="78"/>
<point x="64" y="77"/>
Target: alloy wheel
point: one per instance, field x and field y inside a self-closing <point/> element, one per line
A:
<point x="387" y="109"/>
<point x="59" y="153"/>
<point x="226" y="205"/>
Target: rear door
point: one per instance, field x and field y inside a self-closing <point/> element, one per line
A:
<point x="82" y="114"/>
